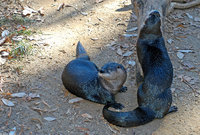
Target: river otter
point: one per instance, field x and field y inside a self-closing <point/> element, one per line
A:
<point x="154" y="78"/>
<point x="82" y="78"/>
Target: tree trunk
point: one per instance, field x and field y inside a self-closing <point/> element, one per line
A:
<point x="143" y="8"/>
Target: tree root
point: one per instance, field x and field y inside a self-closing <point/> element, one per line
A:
<point x="175" y="5"/>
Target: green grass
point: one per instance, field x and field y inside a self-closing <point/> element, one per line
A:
<point x="15" y="19"/>
<point x="21" y="48"/>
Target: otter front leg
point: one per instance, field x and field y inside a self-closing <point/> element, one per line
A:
<point x="139" y="74"/>
<point x="172" y="109"/>
<point x="123" y="89"/>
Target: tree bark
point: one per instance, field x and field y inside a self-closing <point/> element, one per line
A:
<point x="143" y="8"/>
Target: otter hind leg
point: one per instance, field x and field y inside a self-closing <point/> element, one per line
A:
<point x="96" y="98"/>
<point x="123" y="89"/>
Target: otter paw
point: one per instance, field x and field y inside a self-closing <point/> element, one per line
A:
<point x="173" y="109"/>
<point x="117" y="106"/>
<point x="123" y="89"/>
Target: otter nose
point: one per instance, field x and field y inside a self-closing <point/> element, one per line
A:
<point x="102" y="71"/>
<point x="155" y="13"/>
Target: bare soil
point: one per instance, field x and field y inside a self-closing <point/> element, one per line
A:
<point x="101" y="28"/>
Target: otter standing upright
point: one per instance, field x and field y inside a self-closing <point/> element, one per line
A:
<point x="82" y="78"/>
<point x="154" y="78"/>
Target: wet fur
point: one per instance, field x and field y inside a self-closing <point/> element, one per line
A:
<point x="154" y="77"/>
<point x="80" y="77"/>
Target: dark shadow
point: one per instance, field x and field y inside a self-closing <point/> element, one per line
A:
<point x="125" y="8"/>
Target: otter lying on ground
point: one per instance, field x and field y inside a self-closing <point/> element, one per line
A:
<point x="82" y="78"/>
<point x="154" y="78"/>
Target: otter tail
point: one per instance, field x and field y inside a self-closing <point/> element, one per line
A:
<point x="80" y="52"/>
<point x="139" y="116"/>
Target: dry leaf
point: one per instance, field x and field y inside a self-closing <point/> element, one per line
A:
<point x="185" y="51"/>
<point x="132" y="29"/>
<point x="86" y="115"/>
<point x="119" y="51"/>
<point x="180" y="25"/>
<point x="128" y="53"/>
<point x="180" y="55"/>
<point x="188" y="65"/>
<point x="28" y="11"/>
<point x="2" y="41"/>
<point x="83" y="129"/>
<point x="33" y="95"/>
<point x="84" y="13"/>
<point x="99" y="1"/>
<point x="75" y="100"/>
<point x="7" y="102"/>
<point x="189" y="16"/>
<point x="2" y="61"/>
<point x="66" y="93"/>
<point x="41" y="11"/>
<point x="4" y="54"/>
<point x="18" y="95"/>
<point x="13" y="131"/>
<point x="61" y="6"/>
<point x="130" y="35"/>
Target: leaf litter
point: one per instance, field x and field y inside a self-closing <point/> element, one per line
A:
<point x="7" y="102"/>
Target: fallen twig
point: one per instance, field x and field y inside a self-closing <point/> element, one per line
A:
<point x="10" y="112"/>
<point x="186" y="82"/>
<point x="45" y="103"/>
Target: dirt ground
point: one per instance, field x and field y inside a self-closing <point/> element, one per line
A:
<point x="101" y="27"/>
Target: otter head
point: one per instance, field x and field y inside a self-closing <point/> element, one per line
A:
<point x="151" y="25"/>
<point x="112" y="76"/>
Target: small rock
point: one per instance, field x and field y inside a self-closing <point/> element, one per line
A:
<point x="197" y="19"/>
<point x="173" y="90"/>
<point x="5" y="33"/>
<point x="132" y="63"/>
<point x="4" y="54"/>
<point x="180" y="55"/>
<point x="49" y="118"/>
<point x="169" y="41"/>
